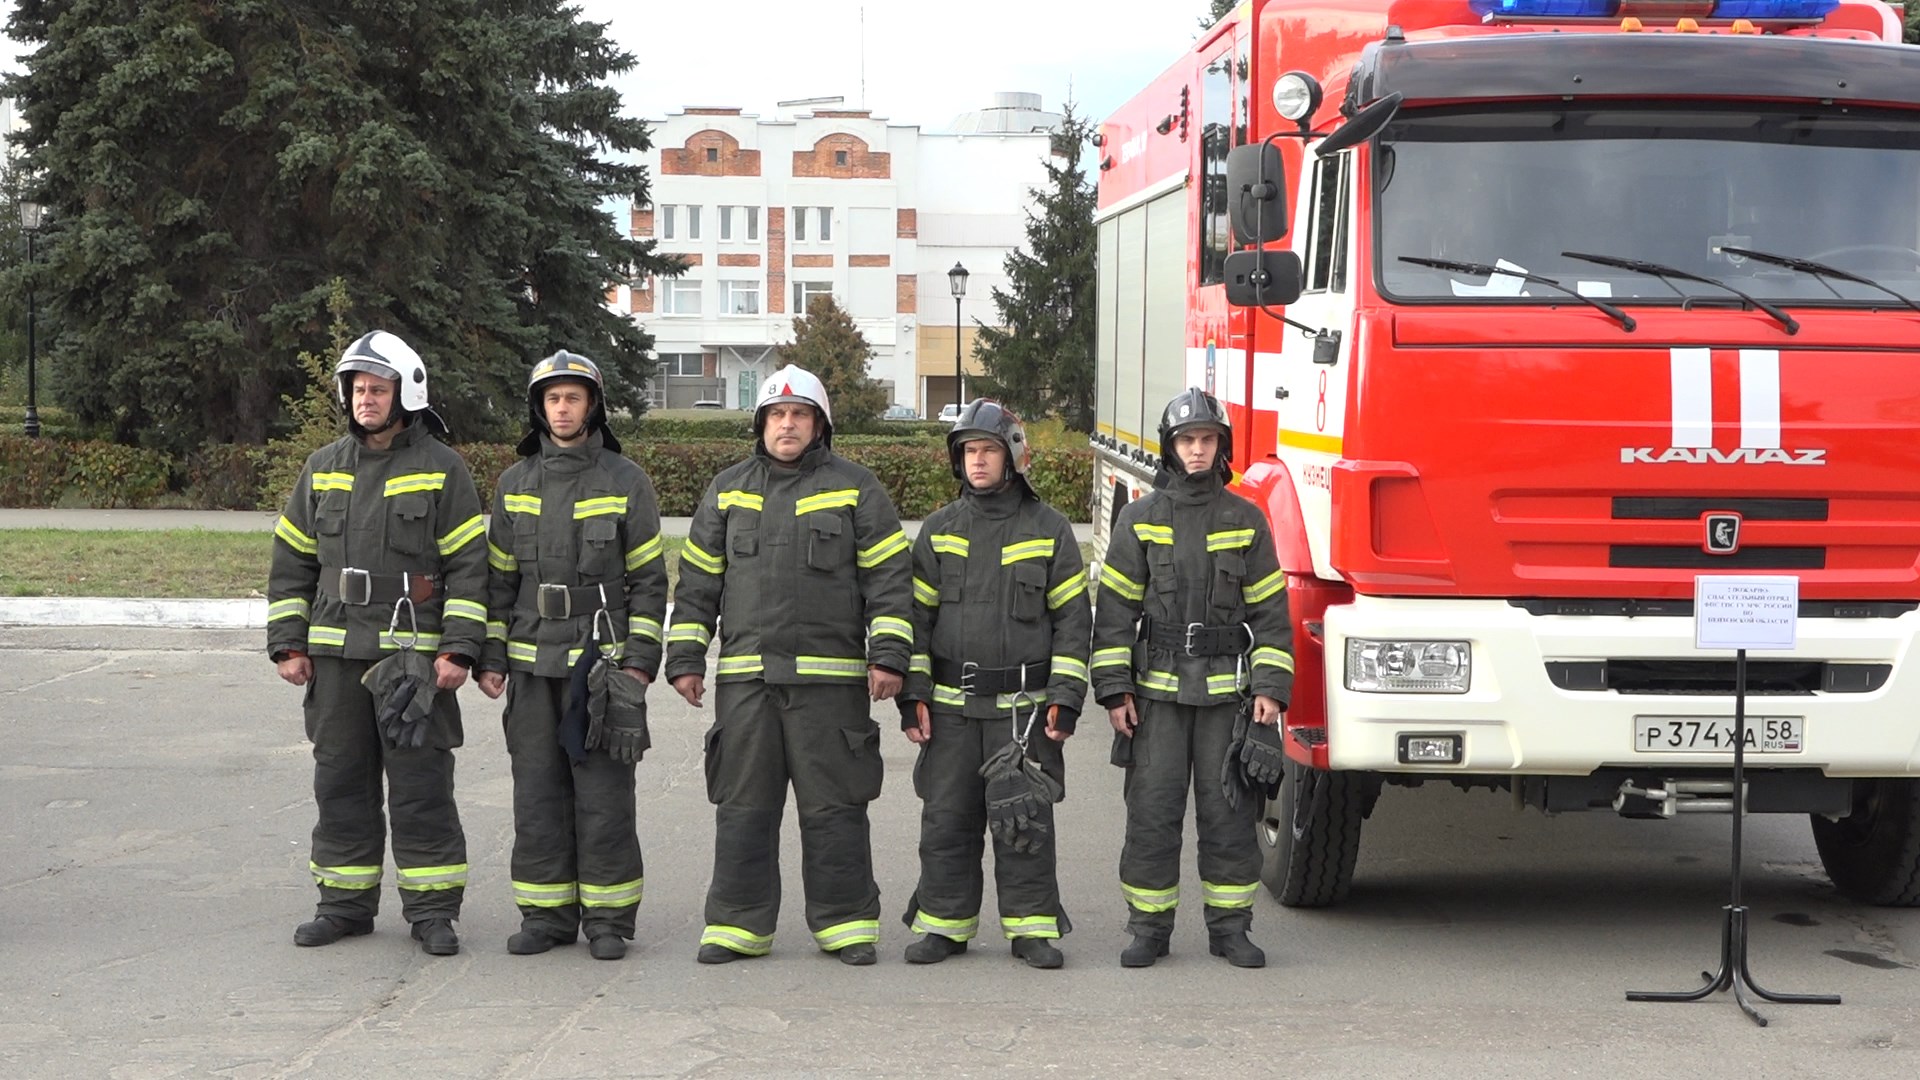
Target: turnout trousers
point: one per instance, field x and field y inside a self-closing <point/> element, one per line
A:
<point x="350" y="838"/>
<point x="953" y="827"/>
<point x="576" y="849"/>
<point x="819" y="738"/>
<point x="1174" y="748"/>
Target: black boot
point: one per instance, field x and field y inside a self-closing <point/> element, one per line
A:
<point x="607" y="945"/>
<point x="934" y="948"/>
<point x="327" y="929"/>
<point x="1237" y="949"/>
<point x="1038" y="952"/>
<point x="532" y="940"/>
<point x="714" y="953"/>
<point x="858" y="954"/>
<point x="436" y="937"/>
<point x="1143" y="952"/>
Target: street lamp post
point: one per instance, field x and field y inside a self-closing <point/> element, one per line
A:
<point x="30" y="215"/>
<point x="957" y="278"/>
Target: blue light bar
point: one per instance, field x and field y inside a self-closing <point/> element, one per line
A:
<point x="1774" y="9"/>
<point x="1564" y="9"/>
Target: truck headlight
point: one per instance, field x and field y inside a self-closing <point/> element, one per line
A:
<point x="1408" y="667"/>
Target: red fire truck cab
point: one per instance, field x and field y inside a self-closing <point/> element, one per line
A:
<point x="1527" y="313"/>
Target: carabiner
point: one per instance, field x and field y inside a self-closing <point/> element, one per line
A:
<point x="1022" y="735"/>
<point x="603" y="617"/>
<point x="413" y="624"/>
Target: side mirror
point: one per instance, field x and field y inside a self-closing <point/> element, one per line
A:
<point x="1364" y="125"/>
<point x="1257" y="278"/>
<point x="1256" y="181"/>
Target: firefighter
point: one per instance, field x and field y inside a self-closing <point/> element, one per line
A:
<point x="381" y="548"/>
<point x="575" y="550"/>
<point x="1001" y="633"/>
<point x="1192" y="615"/>
<point x="798" y="558"/>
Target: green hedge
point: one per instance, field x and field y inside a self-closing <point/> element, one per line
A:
<point x="47" y="472"/>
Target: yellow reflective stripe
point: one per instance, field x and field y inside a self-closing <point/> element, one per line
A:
<point x="839" y="936"/>
<point x="1041" y="926"/>
<point x="1228" y="896"/>
<point x="641" y="626"/>
<point x="645" y="553"/>
<point x="1272" y="657"/>
<point x="1231" y="538"/>
<point x="1065" y="591"/>
<point x="620" y="894"/>
<point x="889" y="626"/>
<point x="345" y="877"/>
<point x="1026" y="549"/>
<point x="827" y="500"/>
<point x="500" y="560"/>
<point x="289" y="532"/>
<point x="292" y="608"/>
<point x="532" y="894"/>
<point x="951" y="544"/>
<point x="694" y="632"/>
<point x="420" y="481"/>
<point x="333" y="481"/>
<point x="956" y="929"/>
<point x="496" y="631"/>
<point x="1265" y="587"/>
<point x="525" y="651"/>
<point x="327" y="635"/>
<point x="744" y="942"/>
<point x="1226" y="684"/>
<point x="837" y="666"/>
<point x="1150" y="899"/>
<point x="884" y="550"/>
<point x="925" y="593"/>
<point x="1121" y="583"/>
<point x="600" y="507"/>
<point x="948" y="695"/>
<point x="1069" y="666"/>
<point x="419" y="643"/>
<point x="1160" y="680"/>
<point x="744" y="664"/>
<point x="432" y="878"/>
<point x="692" y="554"/>
<point x="1153" y="534"/>
<point x="744" y="500"/>
<point x="462" y="534"/>
<point x="522" y="504"/>
<point x="920" y="664"/>
<point x="1118" y="656"/>
<point x="465" y="609"/>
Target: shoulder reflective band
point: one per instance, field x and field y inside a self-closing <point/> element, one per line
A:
<point x="692" y="554"/>
<point x="925" y="593"/>
<point x="422" y="481"/>
<point x="615" y="505"/>
<point x="333" y="481"/>
<point x="645" y="553"/>
<point x="502" y="561"/>
<point x="1026" y="549"/>
<point x="522" y="504"/>
<point x="744" y="500"/>
<point x="1121" y="583"/>
<point x="827" y="500"/>
<point x="951" y="544"/>
<point x="1230" y="539"/>
<point x="886" y="549"/>
<point x="461" y="535"/>
<point x="1153" y="534"/>
<point x="1265" y="588"/>
<point x="1067" y="590"/>
<point x="288" y="532"/>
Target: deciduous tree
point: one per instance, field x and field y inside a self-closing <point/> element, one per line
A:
<point x="827" y="343"/>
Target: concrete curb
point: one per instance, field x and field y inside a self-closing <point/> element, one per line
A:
<point x="119" y="611"/>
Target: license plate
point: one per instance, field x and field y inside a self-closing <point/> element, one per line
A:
<point x="1714" y="734"/>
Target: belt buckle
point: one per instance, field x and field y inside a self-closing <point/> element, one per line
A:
<point x="967" y="670"/>
<point x="356" y="586"/>
<point x="554" y="602"/>
<point x="1192" y="628"/>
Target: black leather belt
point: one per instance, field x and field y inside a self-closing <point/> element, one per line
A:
<point x="566" y="601"/>
<point x="971" y="678"/>
<point x="1197" y="639"/>
<point x="361" y="587"/>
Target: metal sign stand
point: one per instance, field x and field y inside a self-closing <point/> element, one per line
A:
<point x="1733" y="973"/>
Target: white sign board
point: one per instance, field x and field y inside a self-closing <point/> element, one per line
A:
<point x="1733" y="611"/>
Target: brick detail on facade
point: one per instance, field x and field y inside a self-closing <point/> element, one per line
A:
<point x="740" y="260"/>
<point x="688" y="258"/>
<point x="869" y="260"/>
<point x="642" y="222"/>
<point x="813" y="260"/>
<point x="730" y="160"/>
<point x="640" y="301"/>
<point x="906" y="294"/>
<point x="776" y="260"/>
<point x="908" y="224"/>
<point x="843" y="114"/>
<point x="712" y="110"/>
<point x="862" y="163"/>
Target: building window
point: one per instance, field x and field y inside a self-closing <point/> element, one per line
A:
<point x="667" y="216"/>
<point x="679" y="296"/>
<point x="740" y="297"/>
<point x="726" y="223"/>
<point x="800" y="224"/>
<point x="805" y="291"/>
<point x="740" y="222"/>
<point x="839" y="157"/>
<point x="693" y="223"/>
<point x="713" y="153"/>
<point x="826" y="224"/>
<point x="823" y="223"/>
<point x="753" y="222"/>
<point x="686" y="365"/>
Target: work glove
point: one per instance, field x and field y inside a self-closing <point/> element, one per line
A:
<point x="571" y="732"/>
<point x="402" y="686"/>
<point x="1233" y="780"/>
<point x="617" y="713"/>
<point x="1262" y="758"/>
<point x="1018" y="793"/>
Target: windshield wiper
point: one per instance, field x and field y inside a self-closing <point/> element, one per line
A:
<point x="1484" y="270"/>
<point x="1639" y="266"/>
<point x="1818" y="269"/>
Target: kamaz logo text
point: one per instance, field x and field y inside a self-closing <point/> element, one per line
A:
<point x="1708" y="455"/>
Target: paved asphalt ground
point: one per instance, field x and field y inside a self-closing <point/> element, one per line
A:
<point x="155" y="803"/>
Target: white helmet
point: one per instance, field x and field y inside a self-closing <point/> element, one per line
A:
<point x="385" y="355"/>
<point x="794" y="384"/>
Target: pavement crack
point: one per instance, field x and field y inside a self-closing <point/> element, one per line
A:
<point x="108" y="662"/>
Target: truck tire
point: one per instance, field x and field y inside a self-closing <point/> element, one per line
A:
<point x="1310" y="835"/>
<point x="1873" y="854"/>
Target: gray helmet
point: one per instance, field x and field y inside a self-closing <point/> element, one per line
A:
<point x="564" y="365"/>
<point x="1192" y="408"/>
<point x="984" y="418"/>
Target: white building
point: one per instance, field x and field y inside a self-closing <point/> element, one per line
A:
<point x="769" y="213"/>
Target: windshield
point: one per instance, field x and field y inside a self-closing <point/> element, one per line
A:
<point x="1668" y="186"/>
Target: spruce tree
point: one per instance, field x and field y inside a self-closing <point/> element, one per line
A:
<point x="1039" y="360"/>
<point x="827" y="343"/>
<point x="210" y="168"/>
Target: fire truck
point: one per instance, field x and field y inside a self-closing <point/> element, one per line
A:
<point x="1527" y="313"/>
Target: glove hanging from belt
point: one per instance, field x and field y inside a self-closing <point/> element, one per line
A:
<point x="1234" y="783"/>
<point x="1019" y="792"/>
<point x="402" y="686"/>
<point x="1262" y="759"/>
<point x="617" y="713"/>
